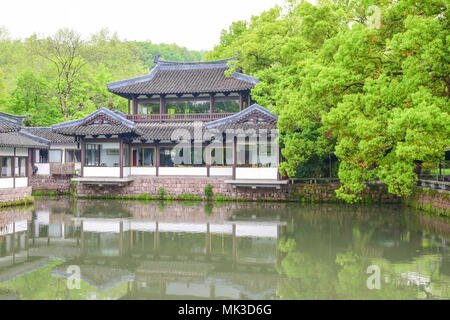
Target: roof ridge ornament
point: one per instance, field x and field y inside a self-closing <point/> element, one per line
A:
<point x="156" y="58"/>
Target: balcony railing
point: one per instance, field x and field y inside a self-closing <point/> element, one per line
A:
<point x="177" y="117"/>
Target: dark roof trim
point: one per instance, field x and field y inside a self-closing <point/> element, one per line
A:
<point x="13" y="118"/>
<point x="34" y="138"/>
<point x="237" y="116"/>
<point x="113" y="115"/>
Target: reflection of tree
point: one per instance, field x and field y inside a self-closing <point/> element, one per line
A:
<point x="41" y="285"/>
<point x="306" y="278"/>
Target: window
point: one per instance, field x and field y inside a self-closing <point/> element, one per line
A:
<point x="195" y="106"/>
<point x="21" y="167"/>
<point x="102" y="154"/>
<point x="165" y="157"/>
<point x="226" y="106"/>
<point x="73" y="155"/>
<point x="181" y="156"/>
<point x="6" y="166"/>
<point x="148" y="108"/>
<point x="143" y="157"/>
<point x="43" y="156"/>
<point x="221" y="156"/>
<point x="54" y="155"/>
<point x="261" y="154"/>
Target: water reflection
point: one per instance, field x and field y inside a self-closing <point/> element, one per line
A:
<point x="135" y="250"/>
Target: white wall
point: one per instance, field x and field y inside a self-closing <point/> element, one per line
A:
<point x="101" y="172"/>
<point x="143" y="171"/>
<point x="6" y="183"/>
<point x="6" y="151"/>
<point x="220" y="171"/>
<point x="22" y="152"/>
<point x="21" y="182"/>
<point x="43" y="168"/>
<point x="182" y="171"/>
<point x="257" y="173"/>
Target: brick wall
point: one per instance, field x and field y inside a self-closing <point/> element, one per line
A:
<point x="50" y="183"/>
<point x="10" y="195"/>
<point x="176" y="186"/>
<point x="430" y="200"/>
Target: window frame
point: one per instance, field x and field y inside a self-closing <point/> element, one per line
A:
<point x="71" y="150"/>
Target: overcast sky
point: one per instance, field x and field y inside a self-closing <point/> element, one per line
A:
<point x="195" y="24"/>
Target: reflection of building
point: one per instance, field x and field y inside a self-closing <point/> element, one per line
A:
<point x="198" y="256"/>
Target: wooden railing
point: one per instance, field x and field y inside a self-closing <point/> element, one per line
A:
<point x="177" y="117"/>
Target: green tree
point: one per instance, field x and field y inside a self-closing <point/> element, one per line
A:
<point x="373" y="92"/>
<point x="32" y="96"/>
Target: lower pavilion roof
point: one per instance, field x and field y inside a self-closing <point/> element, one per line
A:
<point x="104" y="122"/>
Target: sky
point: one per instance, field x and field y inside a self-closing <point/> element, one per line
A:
<point x="194" y="24"/>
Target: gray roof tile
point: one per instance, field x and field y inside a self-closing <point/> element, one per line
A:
<point x="185" y="77"/>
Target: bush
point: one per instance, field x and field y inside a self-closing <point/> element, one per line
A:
<point x="190" y="196"/>
<point x="162" y="193"/>
<point x="209" y="191"/>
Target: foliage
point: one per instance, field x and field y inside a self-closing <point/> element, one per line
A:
<point x="209" y="193"/>
<point x="63" y="77"/>
<point x="374" y="94"/>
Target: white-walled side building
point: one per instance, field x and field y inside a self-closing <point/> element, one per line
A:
<point x="16" y="148"/>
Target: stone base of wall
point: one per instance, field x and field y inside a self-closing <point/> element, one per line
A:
<point x="429" y="200"/>
<point x="16" y="195"/>
<point x="178" y="186"/>
<point x="50" y="183"/>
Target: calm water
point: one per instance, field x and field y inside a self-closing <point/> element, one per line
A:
<point x="135" y="250"/>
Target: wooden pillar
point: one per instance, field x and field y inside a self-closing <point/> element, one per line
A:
<point x="135" y="105"/>
<point x="249" y="99"/>
<point x="278" y="158"/>
<point x="211" y="103"/>
<point x="241" y="101"/>
<point x="162" y="106"/>
<point x="129" y="106"/>
<point x="83" y="156"/>
<point x="234" y="156"/>
<point x="13" y="168"/>
<point x="157" y="155"/>
<point x="121" y="157"/>
<point x="29" y="165"/>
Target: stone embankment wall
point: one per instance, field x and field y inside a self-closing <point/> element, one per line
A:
<point x="434" y="201"/>
<point x="178" y="186"/>
<point x="50" y="183"/>
<point x="16" y="195"/>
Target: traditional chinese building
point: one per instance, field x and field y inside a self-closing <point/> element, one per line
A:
<point x="16" y="147"/>
<point x="189" y="119"/>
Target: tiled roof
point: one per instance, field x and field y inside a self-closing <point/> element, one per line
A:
<point x="13" y="135"/>
<point x="22" y="139"/>
<point x="170" y="130"/>
<point x="100" y="122"/>
<point x="48" y="134"/>
<point x="8" y="124"/>
<point x="185" y="77"/>
<point x="254" y="117"/>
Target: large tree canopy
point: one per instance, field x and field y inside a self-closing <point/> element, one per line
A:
<point x="366" y="80"/>
<point x="64" y="76"/>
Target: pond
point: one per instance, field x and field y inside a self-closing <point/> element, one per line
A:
<point x="94" y="249"/>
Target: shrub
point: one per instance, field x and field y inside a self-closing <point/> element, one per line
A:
<point x="161" y="193"/>
<point x="209" y="191"/>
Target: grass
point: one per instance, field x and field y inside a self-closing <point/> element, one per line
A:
<point x="19" y="202"/>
